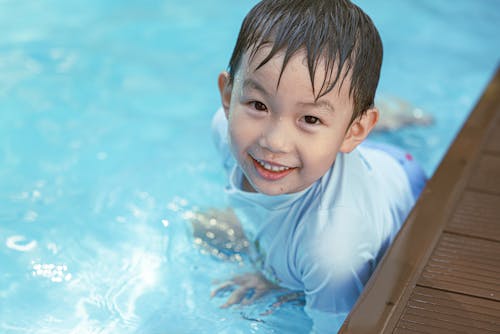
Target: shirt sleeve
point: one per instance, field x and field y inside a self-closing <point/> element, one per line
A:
<point x="336" y="261"/>
<point x="220" y="138"/>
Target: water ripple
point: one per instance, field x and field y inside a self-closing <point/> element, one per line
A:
<point x="112" y="296"/>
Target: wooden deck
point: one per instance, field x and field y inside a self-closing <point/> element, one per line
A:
<point x="442" y="273"/>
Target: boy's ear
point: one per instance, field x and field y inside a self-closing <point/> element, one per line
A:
<point x="225" y="88"/>
<point x="359" y="130"/>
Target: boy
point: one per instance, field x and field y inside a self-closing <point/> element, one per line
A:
<point x="319" y="208"/>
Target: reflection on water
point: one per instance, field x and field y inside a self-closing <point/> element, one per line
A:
<point x="112" y="291"/>
<point x="135" y="271"/>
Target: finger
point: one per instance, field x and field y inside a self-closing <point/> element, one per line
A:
<point x="256" y="295"/>
<point x="236" y="297"/>
<point x="218" y="281"/>
<point x="228" y="285"/>
<point x="274" y="306"/>
<point x="240" y="279"/>
<point x="269" y="311"/>
<point x="289" y="297"/>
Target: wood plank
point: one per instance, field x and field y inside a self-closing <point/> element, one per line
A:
<point x="486" y="176"/>
<point x="450" y="300"/>
<point x="454" y="316"/>
<point x="477" y="215"/>
<point x="435" y="311"/>
<point x="410" y="327"/>
<point x="438" y="326"/>
<point x="464" y="272"/>
<point x="493" y="142"/>
<point x="464" y="265"/>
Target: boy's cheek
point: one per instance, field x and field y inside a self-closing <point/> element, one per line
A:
<point x="237" y="135"/>
<point x="240" y="124"/>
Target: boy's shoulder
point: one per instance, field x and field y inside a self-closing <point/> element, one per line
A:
<point x="366" y="190"/>
<point x="365" y="179"/>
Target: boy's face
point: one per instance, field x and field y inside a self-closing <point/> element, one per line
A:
<point x="282" y="138"/>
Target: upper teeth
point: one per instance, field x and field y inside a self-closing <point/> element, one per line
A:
<point x="271" y="167"/>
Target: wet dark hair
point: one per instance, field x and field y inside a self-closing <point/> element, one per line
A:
<point x="334" y="31"/>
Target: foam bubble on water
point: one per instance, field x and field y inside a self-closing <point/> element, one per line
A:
<point x="36" y="194"/>
<point x="177" y="204"/>
<point x="53" y="248"/>
<point x="188" y="215"/>
<point x="21" y="196"/>
<point x="121" y="219"/>
<point x="56" y="273"/>
<point x="40" y="183"/>
<point x="30" y="216"/>
<point x="173" y="207"/>
<point x="136" y="211"/>
<point x="67" y="63"/>
<point x="75" y="144"/>
<point x="19" y="243"/>
<point x="144" y="195"/>
<point x="56" y="53"/>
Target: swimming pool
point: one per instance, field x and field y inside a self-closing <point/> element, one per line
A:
<point x="105" y="151"/>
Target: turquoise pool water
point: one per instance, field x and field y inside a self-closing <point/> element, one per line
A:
<point x="105" y="152"/>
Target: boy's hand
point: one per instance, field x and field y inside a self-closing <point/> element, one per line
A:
<point x="247" y="288"/>
<point x="218" y="232"/>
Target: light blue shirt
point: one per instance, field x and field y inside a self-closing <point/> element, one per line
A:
<point x="327" y="239"/>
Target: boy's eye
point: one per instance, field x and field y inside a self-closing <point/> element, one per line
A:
<point x="311" y="120"/>
<point x="259" y="106"/>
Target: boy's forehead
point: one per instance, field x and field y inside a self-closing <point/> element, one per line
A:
<point x="254" y="56"/>
<point x="325" y="72"/>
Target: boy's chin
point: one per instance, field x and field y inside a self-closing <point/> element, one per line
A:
<point x="270" y="188"/>
<point x="266" y="189"/>
<point x="273" y="189"/>
<point x="272" y="192"/>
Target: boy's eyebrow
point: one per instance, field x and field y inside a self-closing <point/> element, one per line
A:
<point x="323" y="104"/>
<point x="250" y="83"/>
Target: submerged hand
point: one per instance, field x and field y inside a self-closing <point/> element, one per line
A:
<point x="247" y="288"/>
<point x="218" y="232"/>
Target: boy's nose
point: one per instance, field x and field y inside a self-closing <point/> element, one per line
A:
<point x="276" y="138"/>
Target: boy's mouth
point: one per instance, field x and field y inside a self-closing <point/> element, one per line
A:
<point x="271" y="171"/>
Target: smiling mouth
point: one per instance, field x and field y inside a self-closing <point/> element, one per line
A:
<point x="270" y="171"/>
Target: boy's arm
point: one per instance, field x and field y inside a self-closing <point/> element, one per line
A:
<point x="329" y="303"/>
<point x="335" y="261"/>
<point x="245" y="289"/>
